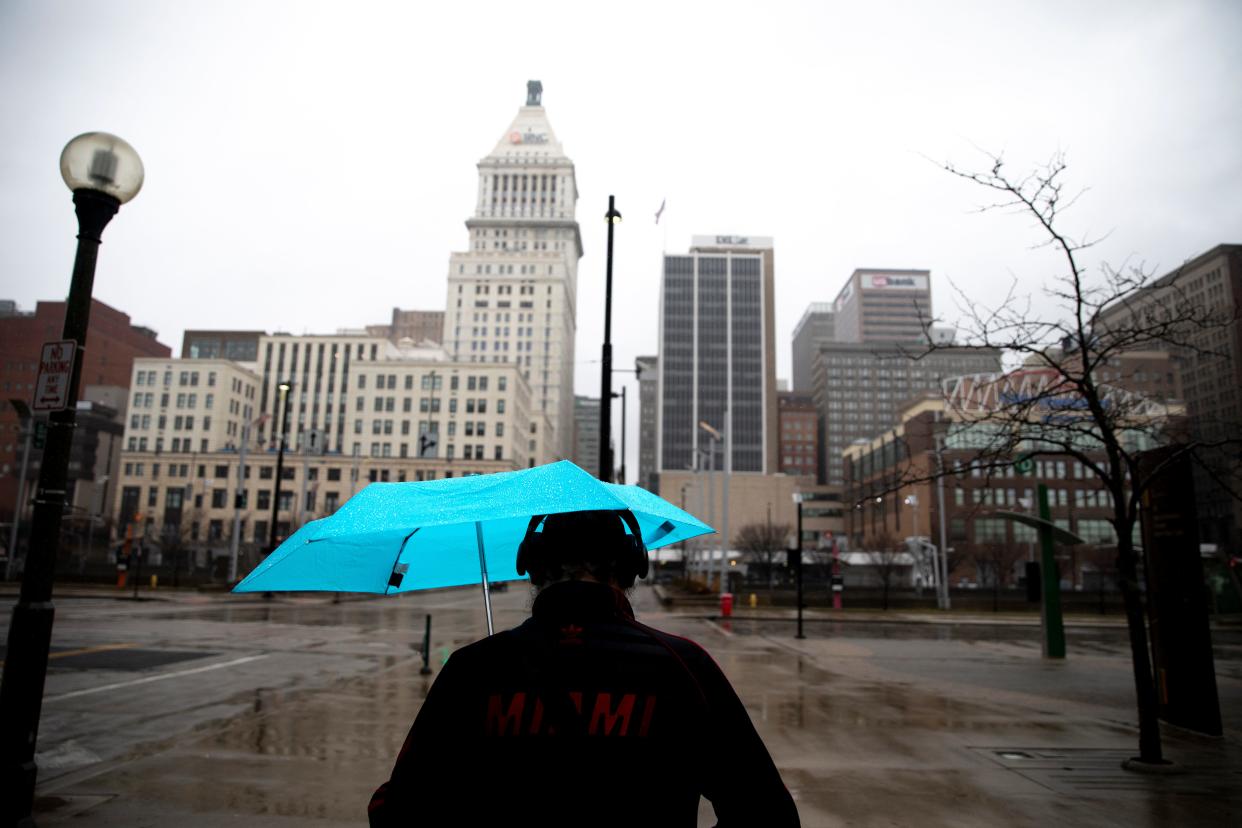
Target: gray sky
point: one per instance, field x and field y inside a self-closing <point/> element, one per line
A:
<point x="310" y="166"/>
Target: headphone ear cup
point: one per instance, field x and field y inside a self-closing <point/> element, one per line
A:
<point x="638" y="563"/>
<point x="530" y="547"/>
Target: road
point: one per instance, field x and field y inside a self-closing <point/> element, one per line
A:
<point x="222" y="710"/>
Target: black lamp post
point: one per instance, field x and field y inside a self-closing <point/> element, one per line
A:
<point x="621" y="465"/>
<point x="605" y="390"/>
<point x="103" y="172"/>
<point x="797" y="556"/>
<point x="280" y="462"/>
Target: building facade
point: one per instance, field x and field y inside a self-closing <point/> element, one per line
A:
<point x="586" y="433"/>
<point x="512" y="297"/>
<point x="405" y="419"/>
<point x="113" y="342"/>
<point x="237" y="346"/>
<point x="815" y="328"/>
<point x="717" y="354"/>
<point x="861" y="388"/>
<point x="1208" y="287"/>
<point x="983" y="546"/>
<point x="799" y="433"/>
<point x="883" y="306"/>
<point x="417" y="326"/>
<point x="647" y="370"/>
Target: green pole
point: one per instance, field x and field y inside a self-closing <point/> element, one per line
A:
<point x="1050" y="607"/>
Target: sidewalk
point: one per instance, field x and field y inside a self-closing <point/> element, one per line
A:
<point x="867" y="730"/>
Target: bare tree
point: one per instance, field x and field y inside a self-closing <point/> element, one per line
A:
<point x="1059" y="404"/>
<point x="763" y="542"/>
<point x="1103" y="561"/>
<point x="995" y="561"/>
<point x="887" y="558"/>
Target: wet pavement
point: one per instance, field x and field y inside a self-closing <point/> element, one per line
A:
<point x="221" y="710"/>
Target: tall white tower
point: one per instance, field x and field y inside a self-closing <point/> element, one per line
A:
<point x="512" y="297"/>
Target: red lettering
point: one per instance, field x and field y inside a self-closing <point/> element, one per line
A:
<point x="648" y="710"/>
<point x="498" y="720"/>
<point x="605" y="715"/>
<point x="536" y="718"/>
<point x="576" y="697"/>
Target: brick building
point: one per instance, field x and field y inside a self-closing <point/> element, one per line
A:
<point x="799" y="433"/>
<point x="113" y="342"/>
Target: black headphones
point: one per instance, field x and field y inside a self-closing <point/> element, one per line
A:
<point x="631" y="555"/>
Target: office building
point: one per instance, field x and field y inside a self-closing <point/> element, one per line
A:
<point x="512" y="296"/>
<point x="860" y="389"/>
<point x="647" y="370"/>
<point x="883" y="306"/>
<point x="586" y="433"/>
<point x="813" y="329"/>
<point x="717" y="353"/>
<point x="1209" y="287"/>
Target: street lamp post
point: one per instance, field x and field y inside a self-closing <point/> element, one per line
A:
<point x="621" y="466"/>
<point x="103" y="172"/>
<point x="714" y="436"/>
<point x="27" y="421"/>
<point x="280" y="462"/>
<point x="605" y="391"/>
<point x="797" y="555"/>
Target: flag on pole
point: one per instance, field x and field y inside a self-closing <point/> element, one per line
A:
<point x="661" y="210"/>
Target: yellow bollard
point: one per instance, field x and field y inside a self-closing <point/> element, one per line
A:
<point x="754" y="601"/>
<point x="155" y="581"/>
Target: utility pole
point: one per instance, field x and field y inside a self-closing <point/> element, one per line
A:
<point x="605" y="391"/>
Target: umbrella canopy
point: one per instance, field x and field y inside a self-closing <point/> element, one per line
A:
<point x="398" y="537"/>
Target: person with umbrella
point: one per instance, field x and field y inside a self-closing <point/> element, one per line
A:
<point x="581" y="713"/>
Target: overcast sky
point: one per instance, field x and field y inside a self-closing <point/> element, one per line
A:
<point x="310" y="166"/>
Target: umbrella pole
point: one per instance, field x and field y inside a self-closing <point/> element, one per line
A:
<point x="487" y="594"/>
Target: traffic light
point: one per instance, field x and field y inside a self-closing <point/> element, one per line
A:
<point x="40" y="434"/>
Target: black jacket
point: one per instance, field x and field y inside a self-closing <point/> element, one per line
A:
<point x="582" y="716"/>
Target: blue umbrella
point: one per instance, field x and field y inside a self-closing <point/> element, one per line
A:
<point x="399" y="537"/>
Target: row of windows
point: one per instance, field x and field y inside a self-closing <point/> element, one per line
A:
<point x="189" y="378"/>
<point x="469" y="451"/>
<point x="431" y="382"/>
<point x="179" y="422"/>
<point x="428" y="404"/>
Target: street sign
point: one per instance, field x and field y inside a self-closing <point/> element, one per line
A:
<point x="55" y="375"/>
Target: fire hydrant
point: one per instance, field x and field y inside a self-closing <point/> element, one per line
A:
<point x="726" y="604"/>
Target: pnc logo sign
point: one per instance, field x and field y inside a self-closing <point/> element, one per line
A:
<point x="517" y="137"/>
